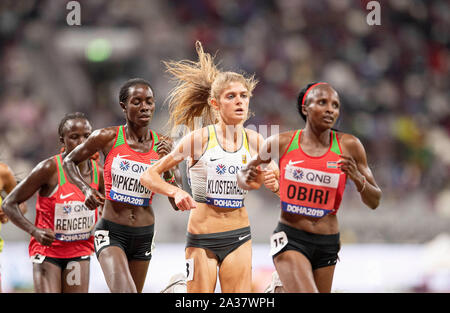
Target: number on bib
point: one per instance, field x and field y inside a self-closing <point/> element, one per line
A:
<point x="189" y="269"/>
<point x="38" y="258"/>
<point x="277" y="242"/>
<point x="101" y="239"/>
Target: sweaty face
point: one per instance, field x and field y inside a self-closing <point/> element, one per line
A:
<point x="233" y="103"/>
<point x="140" y="105"/>
<point x="75" y="132"/>
<point x="322" y="106"/>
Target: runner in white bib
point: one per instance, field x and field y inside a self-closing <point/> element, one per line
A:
<point x="213" y="176"/>
<point x="219" y="237"/>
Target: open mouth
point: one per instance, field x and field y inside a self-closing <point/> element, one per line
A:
<point x="328" y="119"/>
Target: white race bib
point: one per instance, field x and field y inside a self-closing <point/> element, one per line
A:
<point x="222" y="189"/>
<point x="189" y="269"/>
<point x="101" y="239"/>
<point x="277" y="242"/>
<point x="73" y="221"/>
<point x="37" y="258"/>
<point x="126" y="186"/>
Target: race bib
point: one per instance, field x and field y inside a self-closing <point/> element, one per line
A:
<point x="189" y="269"/>
<point x="73" y="221"/>
<point x="308" y="192"/>
<point x="277" y="242"/>
<point x="37" y="258"/>
<point x="222" y="189"/>
<point x="126" y="186"/>
<point x="101" y="239"/>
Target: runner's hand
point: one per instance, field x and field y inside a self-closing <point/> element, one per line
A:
<point x="348" y="165"/>
<point x="184" y="201"/>
<point x="253" y="176"/>
<point x="163" y="147"/>
<point x="93" y="199"/>
<point x="271" y="180"/>
<point x="44" y="236"/>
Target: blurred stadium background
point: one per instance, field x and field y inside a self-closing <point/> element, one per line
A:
<point x="392" y="79"/>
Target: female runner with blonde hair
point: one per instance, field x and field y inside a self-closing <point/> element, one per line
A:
<point x="218" y="232"/>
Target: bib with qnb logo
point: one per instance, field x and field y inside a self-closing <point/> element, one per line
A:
<point x="213" y="178"/>
<point x="66" y="214"/>
<point x="311" y="186"/>
<point x="123" y="167"/>
<point x="73" y="221"/>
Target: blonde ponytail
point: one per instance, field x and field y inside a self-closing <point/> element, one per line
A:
<point x="196" y="83"/>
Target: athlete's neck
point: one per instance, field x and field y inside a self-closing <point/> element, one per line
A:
<point x="313" y="135"/>
<point x="229" y="132"/>
<point x="137" y="133"/>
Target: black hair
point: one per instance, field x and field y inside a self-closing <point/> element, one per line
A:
<point x="300" y="99"/>
<point x="68" y="117"/>
<point x="123" y="94"/>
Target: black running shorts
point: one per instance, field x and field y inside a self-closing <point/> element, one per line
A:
<point x="136" y="242"/>
<point x="321" y="250"/>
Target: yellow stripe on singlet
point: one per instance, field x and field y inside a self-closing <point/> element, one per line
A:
<point x="244" y="136"/>
<point x="212" y="141"/>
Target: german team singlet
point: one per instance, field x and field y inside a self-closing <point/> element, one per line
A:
<point x="311" y="186"/>
<point x="66" y="214"/>
<point x="213" y="178"/>
<point x="123" y="168"/>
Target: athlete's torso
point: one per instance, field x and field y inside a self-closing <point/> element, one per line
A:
<point x="213" y="177"/>
<point x="311" y="186"/>
<point x="213" y="181"/>
<point x="65" y="213"/>
<point x="122" y="169"/>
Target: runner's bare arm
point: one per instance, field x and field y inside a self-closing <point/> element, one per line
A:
<point x="7" y="183"/>
<point x="271" y="150"/>
<point x="251" y="176"/>
<point x="151" y="178"/>
<point x="354" y="163"/>
<point x="270" y="170"/>
<point x="39" y="177"/>
<point x="171" y="176"/>
<point x="99" y="140"/>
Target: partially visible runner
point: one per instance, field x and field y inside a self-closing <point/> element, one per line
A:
<point x="124" y="234"/>
<point x="218" y="232"/>
<point x="314" y="163"/>
<point x="7" y="183"/>
<point x="62" y="241"/>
